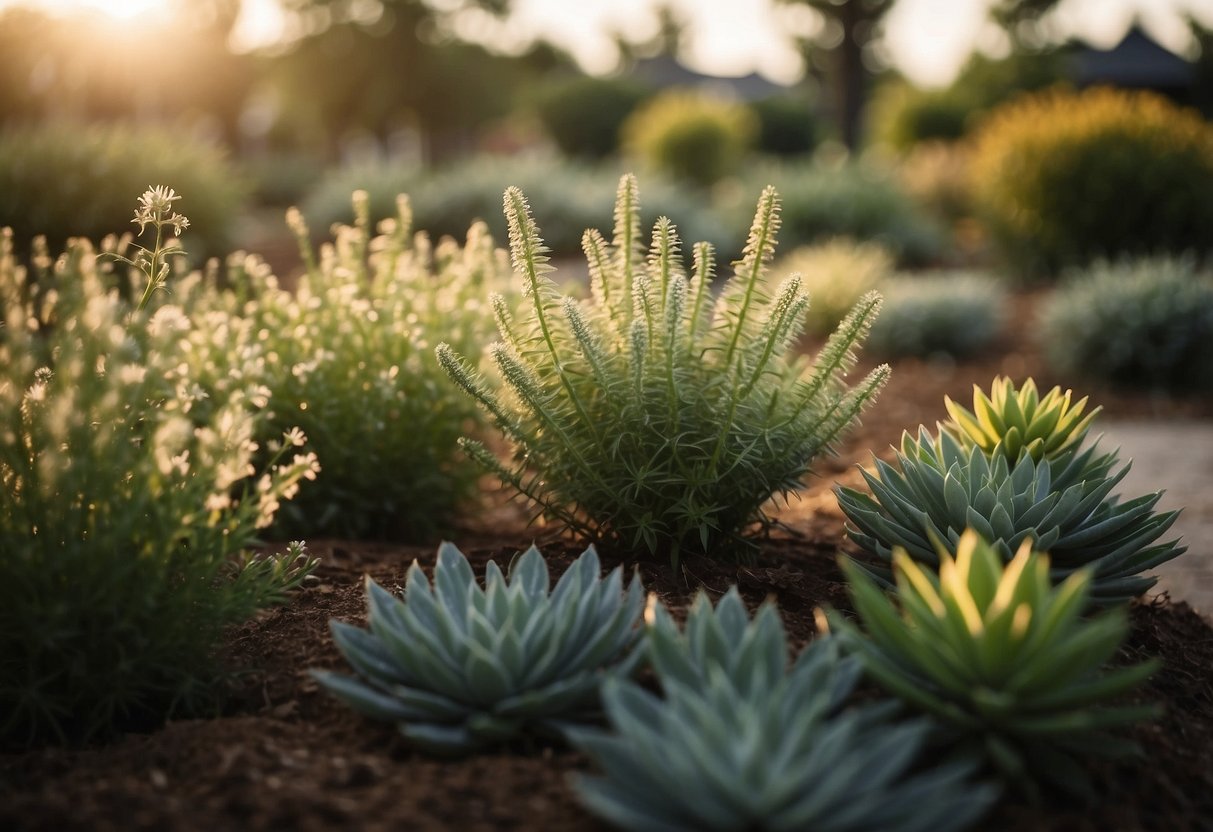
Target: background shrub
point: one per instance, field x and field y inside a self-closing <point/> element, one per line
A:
<point x="66" y="180"/>
<point x="576" y="195"/>
<point x="788" y="125"/>
<point x="127" y="513"/>
<point x="857" y="200"/>
<point x="582" y="114"/>
<point x="1140" y="323"/>
<point x="836" y="274"/>
<point x="951" y="313"/>
<point x="1065" y="178"/>
<point x="691" y="136"/>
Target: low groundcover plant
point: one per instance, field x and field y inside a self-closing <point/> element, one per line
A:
<point x="1001" y="657"/>
<point x="655" y="416"/>
<point x="458" y="666"/>
<point x="740" y="741"/>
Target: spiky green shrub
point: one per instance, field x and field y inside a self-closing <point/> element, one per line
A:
<point x="740" y="741"/>
<point x="858" y="200"/>
<point x="128" y="513"/>
<point x="1138" y="323"/>
<point x="836" y="273"/>
<point x="458" y="667"/>
<point x="1063" y="505"/>
<point x="956" y="314"/>
<point x="1063" y="178"/>
<point x="655" y="416"/>
<point x="70" y="180"/>
<point x="347" y="357"/>
<point x="1001" y="657"/>
<point x="693" y="137"/>
<point x="1020" y="422"/>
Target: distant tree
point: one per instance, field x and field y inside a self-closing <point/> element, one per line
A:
<point x="851" y="26"/>
<point x="379" y="65"/>
<point x="92" y="68"/>
<point x="1202" y="67"/>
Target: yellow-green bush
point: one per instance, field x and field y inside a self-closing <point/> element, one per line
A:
<point x="1065" y="178"/>
<point x="836" y="274"/>
<point x="695" y="137"/>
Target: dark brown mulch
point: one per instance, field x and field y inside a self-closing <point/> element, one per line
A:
<point x="287" y="756"/>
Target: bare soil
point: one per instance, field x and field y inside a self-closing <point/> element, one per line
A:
<point x="284" y="755"/>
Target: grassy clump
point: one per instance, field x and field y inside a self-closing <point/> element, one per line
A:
<point x="656" y="416"/>
<point x="951" y="314"/>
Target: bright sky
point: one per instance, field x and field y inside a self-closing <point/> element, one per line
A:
<point x="926" y="39"/>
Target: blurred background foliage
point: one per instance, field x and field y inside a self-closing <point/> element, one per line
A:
<point x="445" y="99"/>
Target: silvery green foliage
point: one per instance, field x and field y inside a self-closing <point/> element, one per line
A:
<point x="657" y="416"/>
<point x="740" y="741"/>
<point x="953" y="314"/>
<point x="458" y="666"/>
<point x="1143" y="323"/>
<point x="1065" y="504"/>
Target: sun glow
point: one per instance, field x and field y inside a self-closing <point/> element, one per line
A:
<point x="118" y="9"/>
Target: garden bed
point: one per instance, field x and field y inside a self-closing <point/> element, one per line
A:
<point x="286" y="755"/>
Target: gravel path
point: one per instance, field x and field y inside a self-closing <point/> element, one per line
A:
<point x="1175" y="457"/>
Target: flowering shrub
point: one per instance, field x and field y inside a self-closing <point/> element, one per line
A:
<point x="128" y="511"/>
<point x="347" y="357"/>
<point x="693" y="137"/>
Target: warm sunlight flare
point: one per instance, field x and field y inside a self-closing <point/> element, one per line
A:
<point x="120" y="9"/>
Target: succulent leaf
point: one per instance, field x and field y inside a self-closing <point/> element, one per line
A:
<point x="1000" y="656"/>
<point x="1063" y="503"/>
<point x="459" y="666"/>
<point x="1020" y="422"/>
<point x="742" y="741"/>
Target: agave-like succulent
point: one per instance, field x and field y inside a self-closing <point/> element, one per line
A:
<point x="1020" y="422"/>
<point x="458" y="667"/>
<point x="1001" y="656"/>
<point x="742" y="742"/>
<point x="1065" y="505"/>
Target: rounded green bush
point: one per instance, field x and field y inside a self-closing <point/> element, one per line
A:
<point x="954" y="314"/>
<point x="857" y="200"/>
<point x="1144" y="323"/>
<point x="694" y="137"/>
<point x="1064" y="178"/>
<point x="66" y="180"/>
<point x="788" y="125"/>
<point x="582" y="113"/>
